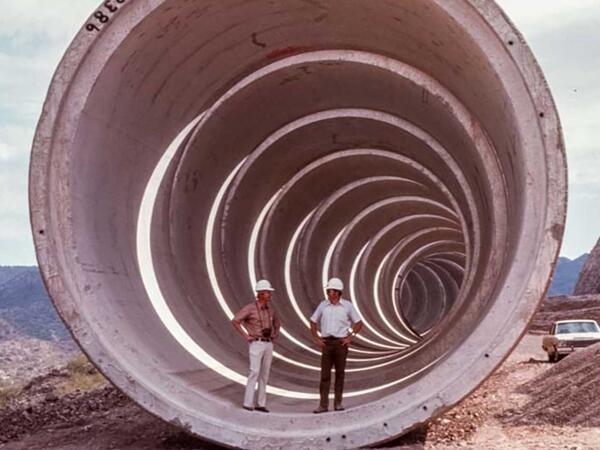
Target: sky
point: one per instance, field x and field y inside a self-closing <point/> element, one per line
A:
<point x="563" y="35"/>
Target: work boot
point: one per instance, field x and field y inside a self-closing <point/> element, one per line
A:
<point x="320" y="409"/>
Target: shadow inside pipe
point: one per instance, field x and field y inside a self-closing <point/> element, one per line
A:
<point x="413" y="440"/>
<point x="185" y="441"/>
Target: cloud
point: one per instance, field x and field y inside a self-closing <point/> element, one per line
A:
<point x="13" y="139"/>
<point x="537" y="16"/>
<point x="15" y="237"/>
<point x="33" y="36"/>
<point x="15" y="142"/>
<point x="5" y="152"/>
<point x="25" y="22"/>
<point x="584" y="172"/>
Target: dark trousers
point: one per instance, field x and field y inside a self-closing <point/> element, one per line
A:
<point x="333" y="355"/>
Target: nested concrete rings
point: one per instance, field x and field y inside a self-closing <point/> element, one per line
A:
<point x="187" y="149"/>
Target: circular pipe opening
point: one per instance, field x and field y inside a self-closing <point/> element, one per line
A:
<point x="187" y="149"/>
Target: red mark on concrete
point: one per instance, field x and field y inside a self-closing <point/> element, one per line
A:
<point x="286" y="51"/>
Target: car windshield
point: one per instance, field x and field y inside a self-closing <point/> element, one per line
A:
<point x="576" y="327"/>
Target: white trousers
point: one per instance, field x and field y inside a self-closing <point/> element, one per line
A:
<point x="261" y="355"/>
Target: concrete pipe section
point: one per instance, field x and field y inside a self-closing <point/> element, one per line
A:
<point x="188" y="148"/>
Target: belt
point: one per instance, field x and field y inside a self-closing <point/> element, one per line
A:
<point x="332" y="338"/>
<point x="262" y="339"/>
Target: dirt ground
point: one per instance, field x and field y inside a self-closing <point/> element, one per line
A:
<point x="519" y="407"/>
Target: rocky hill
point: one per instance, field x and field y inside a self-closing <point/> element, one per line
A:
<point x="589" y="278"/>
<point x="25" y="308"/>
<point x="565" y="308"/>
<point x="33" y="339"/>
<point x="566" y="275"/>
<point x="8" y="273"/>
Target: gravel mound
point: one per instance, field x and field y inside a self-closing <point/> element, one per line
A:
<point x="40" y="418"/>
<point x="18" y="420"/>
<point x="568" y="394"/>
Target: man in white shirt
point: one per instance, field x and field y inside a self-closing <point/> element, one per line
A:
<point x="338" y="321"/>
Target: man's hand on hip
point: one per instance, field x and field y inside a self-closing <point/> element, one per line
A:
<point x="347" y="340"/>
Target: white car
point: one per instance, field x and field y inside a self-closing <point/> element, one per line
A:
<point x="566" y="336"/>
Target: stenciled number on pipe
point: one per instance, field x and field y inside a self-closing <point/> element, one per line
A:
<point x="103" y="15"/>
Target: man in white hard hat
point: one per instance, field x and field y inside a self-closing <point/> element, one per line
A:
<point x="338" y="322"/>
<point x="261" y="328"/>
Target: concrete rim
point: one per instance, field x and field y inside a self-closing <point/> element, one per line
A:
<point x="376" y="421"/>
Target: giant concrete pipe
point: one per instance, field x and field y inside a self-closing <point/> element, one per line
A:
<point x="187" y="148"/>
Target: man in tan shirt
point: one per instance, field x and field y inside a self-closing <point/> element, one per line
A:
<point x="261" y="328"/>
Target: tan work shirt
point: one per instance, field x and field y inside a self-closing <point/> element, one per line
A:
<point x="255" y="318"/>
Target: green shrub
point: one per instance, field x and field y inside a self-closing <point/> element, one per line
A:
<point x="83" y="376"/>
<point x="81" y="365"/>
<point x="8" y="391"/>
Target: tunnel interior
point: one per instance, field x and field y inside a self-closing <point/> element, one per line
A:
<point x="223" y="142"/>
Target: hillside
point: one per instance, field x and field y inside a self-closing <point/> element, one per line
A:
<point x="33" y="339"/>
<point x="589" y="278"/>
<point x="565" y="308"/>
<point x="566" y="275"/>
<point x="25" y="308"/>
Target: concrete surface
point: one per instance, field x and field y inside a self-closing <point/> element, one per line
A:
<point x="188" y="148"/>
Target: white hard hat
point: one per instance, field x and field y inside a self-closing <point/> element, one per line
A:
<point x="335" y="283"/>
<point x="263" y="285"/>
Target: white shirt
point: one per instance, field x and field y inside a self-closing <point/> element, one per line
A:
<point x="335" y="320"/>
